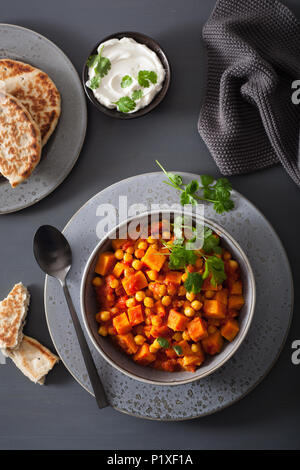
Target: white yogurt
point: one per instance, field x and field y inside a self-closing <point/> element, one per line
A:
<point x="127" y="57"/>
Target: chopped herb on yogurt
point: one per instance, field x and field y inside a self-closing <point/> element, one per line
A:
<point x="100" y="66"/>
<point x="126" y="81"/>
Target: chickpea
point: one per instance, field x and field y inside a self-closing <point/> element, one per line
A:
<point x="148" y="311"/>
<point x="130" y="302"/>
<point x="177" y="336"/>
<point x="139" y="253"/>
<point x="190" y="296"/>
<point x="127" y="258"/>
<point x="189" y="312"/>
<point x="114" y="284"/>
<point x="148" y="321"/>
<point x="103" y="331"/>
<point x="137" y="264"/>
<point x="128" y="272"/>
<point x="196" y="347"/>
<point x="156" y="320"/>
<point x="111" y="330"/>
<point x="166" y="300"/>
<point x="162" y="290"/>
<point x="105" y="315"/>
<point x="152" y="275"/>
<point x="151" y="240"/>
<point x="209" y="294"/>
<point x="110" y="297"/>
<point x="184" y="277"/>
<point x="181" y="291"/>
<point x="97" y="281"/>
<point x="226" y="255"/>
<point x="143" y="245"/>
<point x="148" y="302"/>
<point x="119" y="254"/>
<point x="172" y="289"/>
<point x="130" y="250"/>
<point x="140" y="295"/>
<point x="186" y="336"/>
<point x="196" y="305"/>
<point x="151" y="286"/>
<point x="155" y="346"/>
<point x="114" y="310"/>
<point x="139" y="340"/>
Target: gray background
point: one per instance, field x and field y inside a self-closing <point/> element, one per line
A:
<point x="62" y="415"/>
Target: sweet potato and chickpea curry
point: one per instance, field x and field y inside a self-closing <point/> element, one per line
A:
<point x="165" y="305"/>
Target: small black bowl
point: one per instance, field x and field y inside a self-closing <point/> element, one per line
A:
<point x="154" y="46"/>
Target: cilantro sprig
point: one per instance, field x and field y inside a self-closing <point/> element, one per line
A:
<point x="126" y="81"/>
<point x="217" y="192"/>
<point x="101" y="66"/>
<point x="145" y="77"/>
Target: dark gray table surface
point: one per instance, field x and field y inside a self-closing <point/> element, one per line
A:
<point x="62" y="415"/>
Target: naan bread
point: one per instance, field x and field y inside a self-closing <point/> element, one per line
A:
<point x="35" y="90"/>
<point x="13" y="311"/>
<point x="33" y="359"/>
<point x="20" y="140"/>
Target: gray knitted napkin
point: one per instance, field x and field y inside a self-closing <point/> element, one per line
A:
<point x="248" y="120"/>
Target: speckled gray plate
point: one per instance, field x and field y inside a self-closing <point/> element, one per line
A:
<point x="62" y="150"/>
<point x="243" y="371"/>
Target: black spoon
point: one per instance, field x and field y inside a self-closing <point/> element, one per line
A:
<point x="54" y="256"/>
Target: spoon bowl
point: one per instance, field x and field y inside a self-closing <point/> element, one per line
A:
<point x="52" y="252"/>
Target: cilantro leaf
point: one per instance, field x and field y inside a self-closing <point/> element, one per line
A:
<point x="91" y="60"/>
<point x="224" y="183"/>
<point x="206" y="180"/>
<point x="125" y="104"/>
<point x="163" y="342"/>
<point x="176" y="179"/>
<point x="211" y="242"/>
<point x="137" y="94"/>
<point x="223" y="206"/>
<point x="103" y="66"/>
<point x="178" y="350"/>
<point x="214" y="266"/>
<point x="95" y="82"/>
<point x="180" y="257"/>
<point x="126" y="81"/>
<point x="145" y="77"/>
<point x="192" y="187"/>
<point x="193" y="282"/>
<point x="187" y="198"/>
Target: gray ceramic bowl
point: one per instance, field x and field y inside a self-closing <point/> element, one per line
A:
<point x="124" y="363"/>
<point x="154" y="46"/>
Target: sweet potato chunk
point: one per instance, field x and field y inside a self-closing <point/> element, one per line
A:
<point x="197" y="329"/>
<point x="214" y="309"/>
<point x="213" y="343"/>
<point x="154" y="259"/>
<point x="105" y="263"/>
<point x="236" y="302"/>
<point x="193" y="360"/>
<point x="222" y="296"/>
<point x="157" y="331"/>
<point x="121" y="324"/>
<point x="119" y="269"/>
<point x="186" y="348"/>
<point x="208" y="286"/>
<point x="177" y="321"/>
<point x="135" y="315"/>
<point x="173" y="277"/>
<point x="127" y="343"/>
<point x="236" y="288"/>
<point x="230" y="329"/>
<point x="134" y="283"/>
<point x="143" y="356"/>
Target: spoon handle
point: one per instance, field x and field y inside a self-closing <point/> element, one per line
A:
<point x="87" y="356"/>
